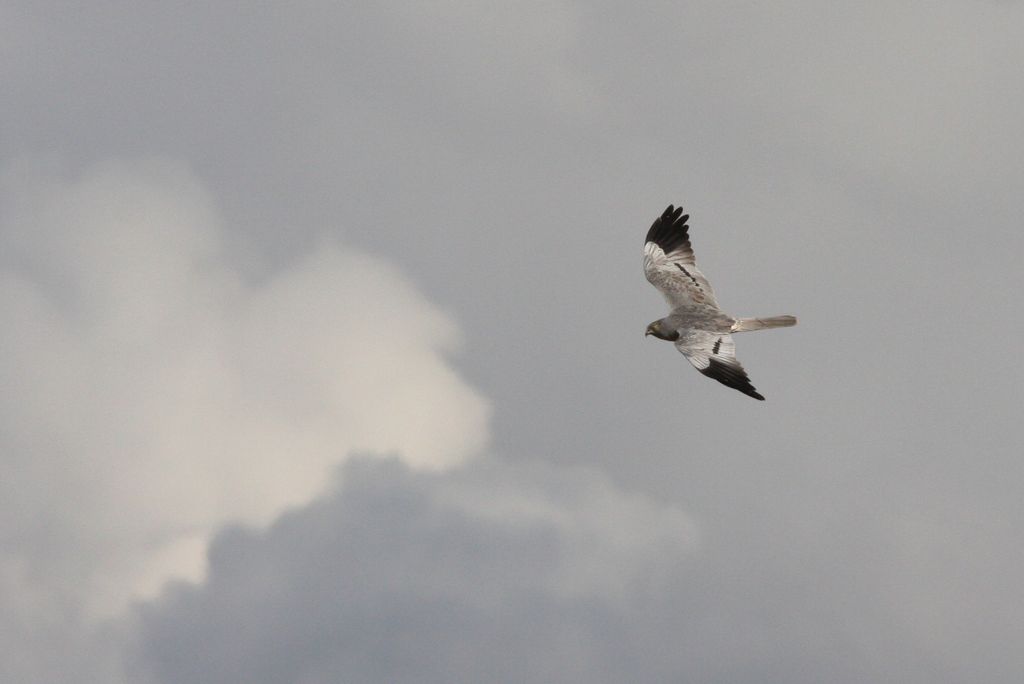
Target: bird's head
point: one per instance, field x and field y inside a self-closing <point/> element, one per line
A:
<point x="661" y="332"/>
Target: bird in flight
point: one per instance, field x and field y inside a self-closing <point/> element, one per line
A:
<point x="696" y="324"/>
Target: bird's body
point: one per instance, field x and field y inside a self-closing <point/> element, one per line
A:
<point x="697" y="326"/>
<point x="699" y="318"/>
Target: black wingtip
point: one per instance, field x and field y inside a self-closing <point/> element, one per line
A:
<point x="731" y="375"/>
<point x="669" y="231"/>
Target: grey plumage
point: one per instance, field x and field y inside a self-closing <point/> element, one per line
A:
<point x="696" y="324"/>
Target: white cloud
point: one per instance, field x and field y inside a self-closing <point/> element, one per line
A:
<point x="151" y="394"/>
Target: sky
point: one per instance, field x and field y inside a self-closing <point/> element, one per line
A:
<point x="322" y="351"/>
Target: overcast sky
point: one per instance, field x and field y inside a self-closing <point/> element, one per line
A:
<point x="322" y="351"/>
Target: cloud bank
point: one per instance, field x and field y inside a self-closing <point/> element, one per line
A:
<point x="152" y="394"/>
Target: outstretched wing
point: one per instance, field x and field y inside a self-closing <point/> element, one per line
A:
<point x="669" y="263"/>
<point x="714" y="355"/>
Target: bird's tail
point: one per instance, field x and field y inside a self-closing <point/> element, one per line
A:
<point x="745" y="324"/>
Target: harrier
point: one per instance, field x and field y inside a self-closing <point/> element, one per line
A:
<point x="696" y="324"/>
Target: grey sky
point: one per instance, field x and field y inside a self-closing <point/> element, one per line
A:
<point x="239" y="244"/>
